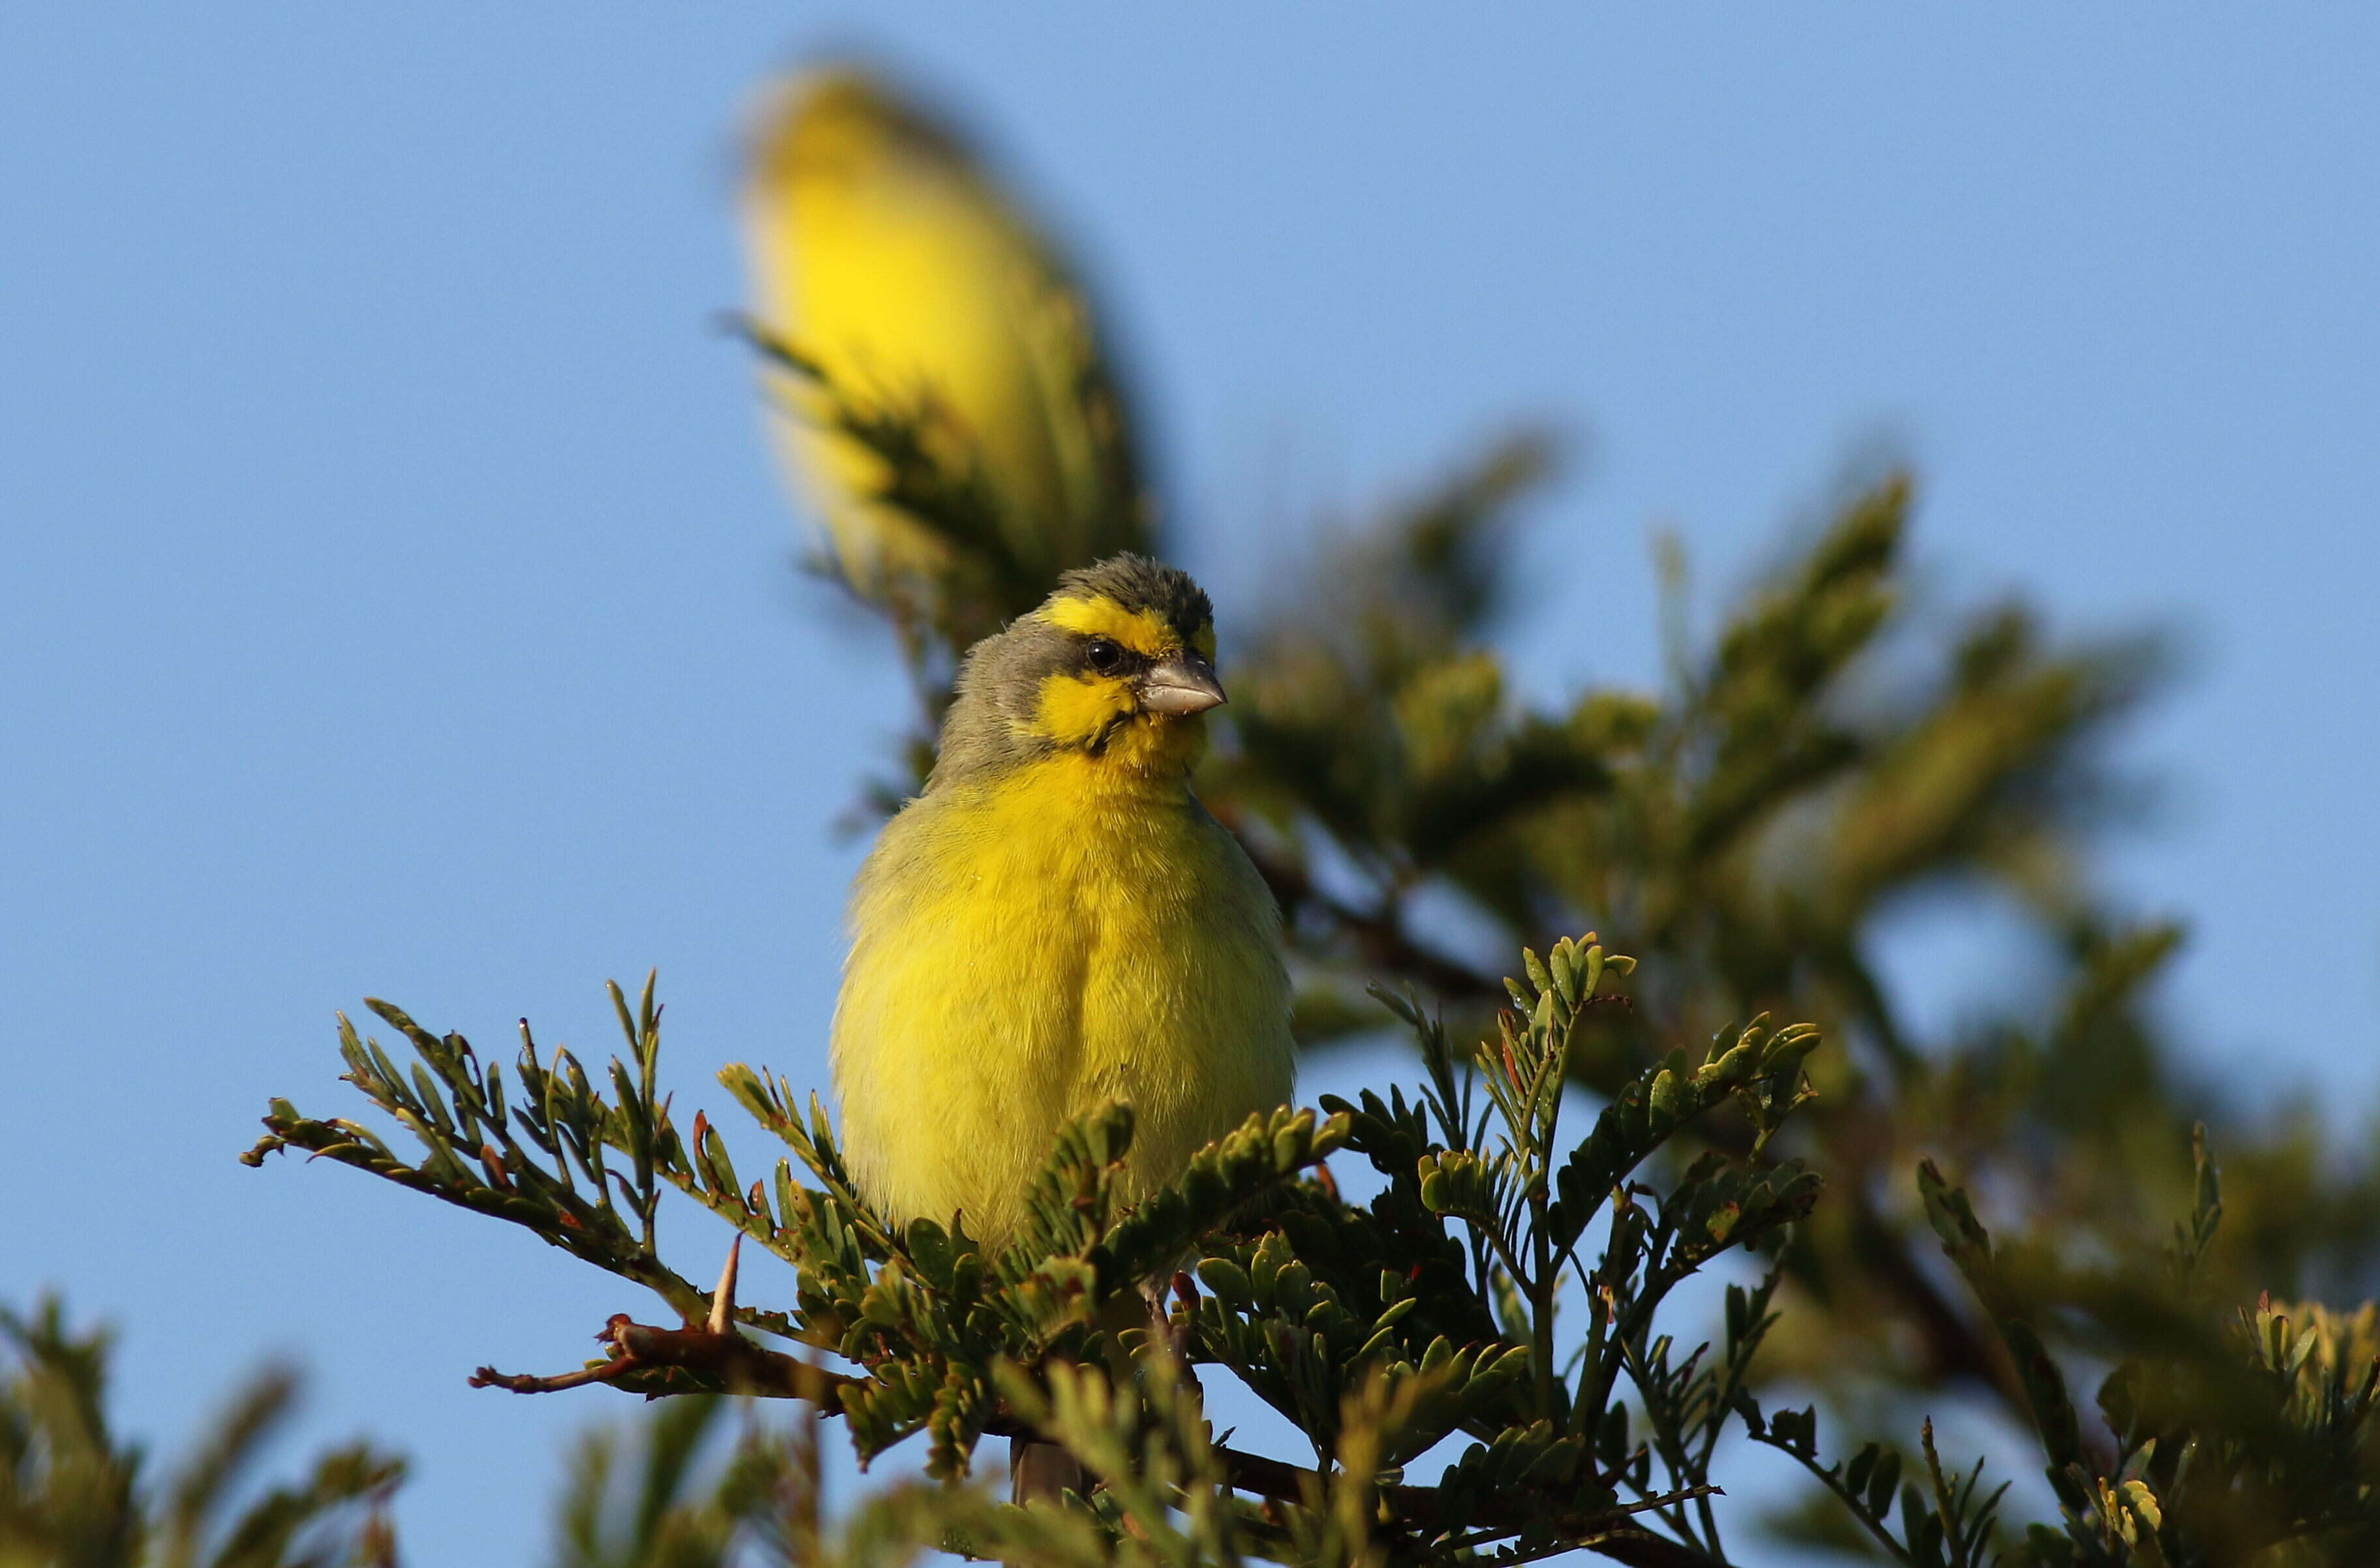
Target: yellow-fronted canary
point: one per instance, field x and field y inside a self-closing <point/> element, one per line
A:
<point x="1056" y="922"/>
<point x="886" y="255"/>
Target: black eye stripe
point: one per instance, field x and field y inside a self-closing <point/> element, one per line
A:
<point x="1104" y="655"/>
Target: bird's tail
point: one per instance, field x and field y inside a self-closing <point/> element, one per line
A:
<point x="1041" y="1472"/>
<point x="1044" y="1471"/>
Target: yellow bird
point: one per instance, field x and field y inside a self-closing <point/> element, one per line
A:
<point x="1055" y="923"/>
<point x="885" y="252"/>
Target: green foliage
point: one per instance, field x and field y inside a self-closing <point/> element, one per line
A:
<point x="1426" y="1315"/>
<point x="562" y="1180"/>
<point x="2226" y="1435"/>
<point x="1946" y="1520"/>
<point x="72" y="1493"/>
<point x="650" y="1497"/>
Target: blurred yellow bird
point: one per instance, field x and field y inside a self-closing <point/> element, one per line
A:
<point x="884" y="254"/>
<point x="1056" y="923"/>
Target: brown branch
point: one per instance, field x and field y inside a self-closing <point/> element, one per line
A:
<point x="1638" y="1549"/>
<point x="710" y="1349"/>
<point x="1418" y="1507"/>
<point x="732" y="1361"/>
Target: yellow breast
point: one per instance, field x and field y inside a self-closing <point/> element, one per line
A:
<point x="1028" y="948"/>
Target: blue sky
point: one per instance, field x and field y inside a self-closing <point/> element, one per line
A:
<point x="399" y="599"/>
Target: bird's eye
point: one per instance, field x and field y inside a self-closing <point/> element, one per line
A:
<point x="1104" y="655"/>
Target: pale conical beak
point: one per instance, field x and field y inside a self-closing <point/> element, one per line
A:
<point x="1183" y="684"/>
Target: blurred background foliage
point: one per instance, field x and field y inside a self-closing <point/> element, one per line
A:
<point x="1835" y="753"/>
<point x="74" y="1494"/>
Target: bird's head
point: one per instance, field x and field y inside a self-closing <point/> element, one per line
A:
<point x="1115" y="667"/>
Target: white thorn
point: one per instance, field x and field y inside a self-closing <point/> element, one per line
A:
<point x="723" y="1300"/>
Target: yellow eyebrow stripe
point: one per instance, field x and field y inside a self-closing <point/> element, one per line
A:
<point x="1144" y="631"/>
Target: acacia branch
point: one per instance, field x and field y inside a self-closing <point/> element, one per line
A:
<point x="714" y="1352"/>
<point x="709" y="1348"/>
<point x="642" y="1352"/>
